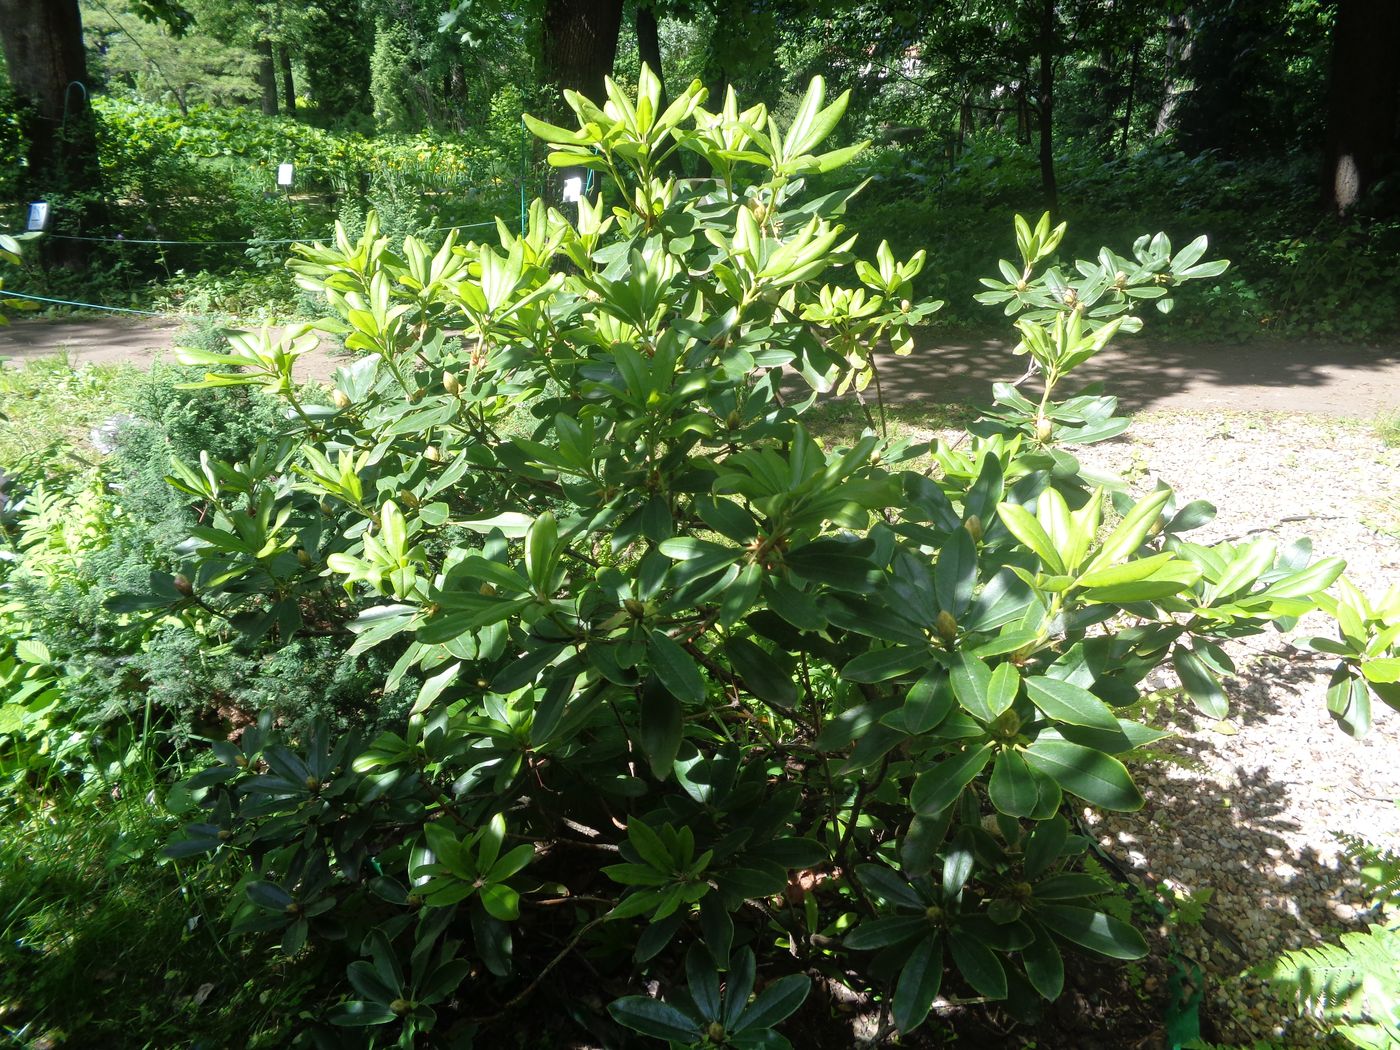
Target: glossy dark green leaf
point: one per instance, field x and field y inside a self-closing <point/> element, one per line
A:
<point x="717" y="928"/>
<point x="1068" y="886"/>
<point x="955" y="574"/>
<point x="1045" y="845"/>
<point x="879" y="665"/>
<point x="1066" y="702"/>
<point x="360" y="1014"/>
<point x="972" y="681"/>
<point x="938" y="788"/>
<point x="654" y="1018"/>
<point x="918" y="983"/>
<point x="1020" y="790"/>
<point x="978" y="964"/>
<point x="662" y="725"/>
<point x="702" y="980"/>
<point x="928" y="702"/>
<point x="1093" y="930"/>
<point x="675" y="667"/>
<point x="762" y="673"/>
<point x="1200" y="682"/>
<point x="1092" y="775"/>
<point x="881" y="933"/>
<point x="776" y="1003"/>
<point x="1044" y="965"/>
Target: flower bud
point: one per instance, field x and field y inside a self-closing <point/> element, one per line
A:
<point x="1007" y="725"/>
<point x="432" y="455"/>
<point x="341" y="399"/>
<point x="973" y="525"/>
<point x="304" y="559"/>
<point x="634" y="608"/>
<point x="183" y="585"/>
<point x="1043" y="429"/>
<point x="946" y="625"/>
<point x="451" y="383"/>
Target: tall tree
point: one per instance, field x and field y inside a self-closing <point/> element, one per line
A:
<point x="580" y="43"/>
<point x="649" y="42"/>
<point x="1045" y="103"/>
<point x="1362" y="102"/>
<point x="47" y="65"/>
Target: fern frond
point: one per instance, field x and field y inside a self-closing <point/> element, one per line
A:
<point x="1355" y="983"/>
<point x="1379" y="868"/>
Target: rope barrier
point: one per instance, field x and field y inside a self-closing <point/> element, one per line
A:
<point x="279" y="240"/>
<point x="5" y="293"/>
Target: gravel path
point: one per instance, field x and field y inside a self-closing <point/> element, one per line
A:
<point x="1296" y="376"/>
<point x="1250" y="809"/>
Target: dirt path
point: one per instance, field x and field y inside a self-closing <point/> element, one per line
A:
<point x="1284" y="377"/>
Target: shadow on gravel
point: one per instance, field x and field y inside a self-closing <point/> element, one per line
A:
<point x="1229" y="826"/>
<point x="1296" y="377"/>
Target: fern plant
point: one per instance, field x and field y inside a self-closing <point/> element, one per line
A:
<point x="1353" y="988"/>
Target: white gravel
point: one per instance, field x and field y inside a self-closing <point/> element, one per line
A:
<point x="1251" y="809"/>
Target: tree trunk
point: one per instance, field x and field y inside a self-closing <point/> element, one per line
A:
<point x="267" y="75"/>
<point x="1132" y="94"/>
<point x="1361" y="99"/>
<point x="580" y="44"/>
<point x="579" y="48"/>
<point x="47" y="65"/>
<point x="1178" y="54"/>
<point x="289" y="93"/>
<point x="1047" y="105"/>
<point x="649" y="44"/>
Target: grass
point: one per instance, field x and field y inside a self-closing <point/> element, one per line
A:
<point x="50" y="403"/>
<point x="103" y="945"/>
<point x="841" y="421"/>
<point x="1388" y="430"/>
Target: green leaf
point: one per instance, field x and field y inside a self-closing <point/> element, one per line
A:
<point x="1066" y="702"/>
<point x="776" y="1003"/>
<point x="675" y="667"/>
<point x="501" y="902"/>
<point x="1131" y="531"/>
<point x="1200" y="682"/>
<point x="1019" y="790"/>
<point x="1092" y="775"/>
<point x="978" y="964"/>
<point x="662" y="726"/>
<point x="883" y="932"/>
<point x="654" y="1018"/>
<point x="938" y="788"/>
<point x="879" y="665"/>
<point x="763" y="675"/>
<point x="918" y="983"/>
<point x="955" y="574"/>
<point x="927" y="703"/>
<point x="972" y="682"/>
<point x="1026" y="528"/>
<point x="360" y="1014"/>
<point x="1093" y="930"/>
<point x="1003" y="688"/>
<point x="1045" y="845"/>
<point x="1045" y="967"/>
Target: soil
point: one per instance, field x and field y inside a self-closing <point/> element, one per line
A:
<point x="1317" y="378"/>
